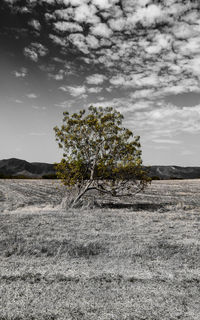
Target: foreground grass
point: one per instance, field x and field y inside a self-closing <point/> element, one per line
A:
<point x="113" y="264"/>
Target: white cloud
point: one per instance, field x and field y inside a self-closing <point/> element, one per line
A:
<point x="95" y="79"/>
<point x="102" y="4"/>
<point x="49" y="17"/>
<point x="78" y="40"/>
<point x="146" y="15"/>
<point x="64" y="14"/>
<point x="74" y="91"/>
<point x="35" y="50"/>
<point x="94" y="90"/>
<point x="86" y="13"/>
<point x="64" y="26"/>
<point x="101" y="30"/>
<point x="145" y="93"/>
<point x="21" y="73"/>
<point x="183" y="30"/>
<point x="160" y="42"/>
<point x="118" y="80"/>
<point x="136" y="80"/>
<point x="35" y="24"/>
<point x="151" y="80"/>
<point x="57" y="40"/>
<point x="117" y="24"/>
<point x="167" y="119"/>
<point x="76" y="2"/>
<point x="11" y="1"/>
<point x="58" y="76"/>
<point x="31" y="95"/>
<point x="31" y="54"/>
<point x="166" y="141"/>
<point x="92" y="41"/>
<point x="80" y="91"/>
<point x="156" y="122"/>
<point x="46" y="1"/>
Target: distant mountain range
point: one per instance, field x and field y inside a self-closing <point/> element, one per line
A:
<point x="21" y="168"/>
<point x="174" y="172"/>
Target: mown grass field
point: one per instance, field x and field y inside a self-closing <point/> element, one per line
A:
<point x="136" y="260"/>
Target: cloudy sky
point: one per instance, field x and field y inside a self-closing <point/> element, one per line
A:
<point x="139" y="56"/>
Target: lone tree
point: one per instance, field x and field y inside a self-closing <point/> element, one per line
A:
<point x="99" y="154"/>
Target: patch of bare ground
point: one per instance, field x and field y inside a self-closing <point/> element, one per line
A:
<point x="134" y="259"/>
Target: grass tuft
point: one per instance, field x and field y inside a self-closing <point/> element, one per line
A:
<point x="19" y="246"/>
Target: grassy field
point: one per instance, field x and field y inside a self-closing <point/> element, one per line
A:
<point x="136" y="260"/>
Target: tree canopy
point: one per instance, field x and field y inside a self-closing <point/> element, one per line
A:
<point x="99" y="153"/>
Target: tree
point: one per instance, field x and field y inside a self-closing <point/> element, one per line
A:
<point x="99" y="154"/>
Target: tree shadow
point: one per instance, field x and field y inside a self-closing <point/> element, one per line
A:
<point x="136" y="206"/>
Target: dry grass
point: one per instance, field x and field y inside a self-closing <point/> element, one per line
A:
<point x="131" y="262"/>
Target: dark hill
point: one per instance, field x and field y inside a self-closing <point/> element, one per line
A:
<point x="21" y="168"/>
<point x="174" y="172"/>
<point x="16" y="167"/>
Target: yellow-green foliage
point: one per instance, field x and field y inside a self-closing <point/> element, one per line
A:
<point x="98" y="152"/>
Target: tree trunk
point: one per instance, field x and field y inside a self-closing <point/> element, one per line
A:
<point x="75" y="201"/>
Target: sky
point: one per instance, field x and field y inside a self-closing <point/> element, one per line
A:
<point x="141" y="57"/>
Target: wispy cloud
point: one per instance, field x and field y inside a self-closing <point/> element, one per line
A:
<point x="35" y="50"/>
<point x="95" y="79"/>
<point x="67" y="26"/>
<point x="31" y="95"/>
<point x="21" y="73"/>
<point x="18" y="101"/>
<point x="166" y="141"/>
<point x="74" y="91"/>
<point x="35" y="24"/>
